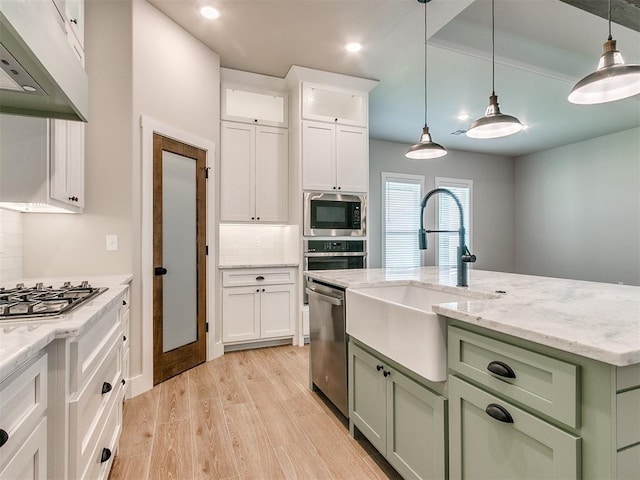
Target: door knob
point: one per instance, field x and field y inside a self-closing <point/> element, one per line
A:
<point x="159" y="271"/>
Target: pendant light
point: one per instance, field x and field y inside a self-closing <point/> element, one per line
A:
<point x="425" y="148"/>
<point x="494" y="124"/>
<point x="612" y="80"/>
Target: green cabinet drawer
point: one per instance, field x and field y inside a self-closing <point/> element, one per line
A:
<point x="480" y="446"/>
<point x="545" y="384"/>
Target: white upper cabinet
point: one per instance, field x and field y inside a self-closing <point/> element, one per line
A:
<point x="67" y="162"/>
<point x="254" y="173"/>
<point x="74" y="12"/>
<point x="335" y="157"/>
<point x="335" y="105"/>
<point x="259" y="107"/>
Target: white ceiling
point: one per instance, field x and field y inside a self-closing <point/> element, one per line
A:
<point x="543" y="47"/>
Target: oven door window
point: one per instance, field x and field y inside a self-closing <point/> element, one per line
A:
<point x="334" y="215"/>
<point x="335" y="263"/>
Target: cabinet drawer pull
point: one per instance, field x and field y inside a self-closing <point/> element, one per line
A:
<point x="106" y="455"/>
<point x="259" y="277"/>
<point x="4" y="437"/>
<point x="379" y="367"/>
<point x="499" y="413"/>
<point x="501" y="369"/>
<point x="106" y="387"/>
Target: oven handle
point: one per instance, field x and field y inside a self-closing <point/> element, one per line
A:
<point x="324" y="298"/>
<point x="335" y="254"/>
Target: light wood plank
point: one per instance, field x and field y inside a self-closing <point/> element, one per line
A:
<point x="300" y="461"/>
<point x="331" y="444"/>
<point x="213" y="451"/>
<point x="174" y="399"/>
<point x="203" y="382"/>
<point x="130" y="467"/>
<point x="254" y="454"/>
<point x="139" y="422"/>
<point x="172" y="451"/>
<point x="232" y="390"/>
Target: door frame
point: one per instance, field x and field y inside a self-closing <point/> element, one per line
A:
<point x="149" y="126"/>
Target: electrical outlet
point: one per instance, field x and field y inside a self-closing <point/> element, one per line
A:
<point x="257" y="241"/>
<point x="112" y="243"/>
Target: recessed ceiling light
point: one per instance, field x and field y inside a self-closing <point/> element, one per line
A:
<point x="209" y="12"/>
<point x="353" y="47"/>
<point x="525" y="127"/>
<point x="28" y="88"/>
<point x="463" y="116"/>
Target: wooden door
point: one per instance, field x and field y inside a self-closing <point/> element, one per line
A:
<point x="179" y="286"/>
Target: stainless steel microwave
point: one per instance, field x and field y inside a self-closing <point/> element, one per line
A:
<point x="334" y="214"/>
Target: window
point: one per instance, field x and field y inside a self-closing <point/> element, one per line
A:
<point x="448" y="218"/>
<point x="401" y="196"/>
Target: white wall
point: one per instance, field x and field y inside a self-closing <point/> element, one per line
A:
<point x="176" y="82"/>
<point x="493" y="199"/>
<point x="578" y="210"/>
<point x="10" y="245"/>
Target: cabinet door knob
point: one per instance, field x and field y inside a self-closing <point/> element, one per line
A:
<point x="253" y="218"/>
<point x="124" y="303"/>
<point x="124" y="338"/>
<point x="124" y="381"/>
<point x="339" y="188"/>
<point x="501" y="369"/>
<point x="386" y="373"/>
<point x="4" y="437"/>
<point x="105" y="456"/>
<point x="106" y="387"/>
<point x="334" y="188"/>
<point x="257" y="289"/>
<point x="499" y="413"/>
<point x="379" y="367"/>
<point x="74" y="21"/>
<point x="263" y="289"/>
<point x="257" y="218"/>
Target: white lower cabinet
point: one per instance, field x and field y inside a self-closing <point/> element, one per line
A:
<point x="86" y="391"/>
<point x="23" y="422"/>
<point x="257" y="305"/>
<point x="401" y="418"/>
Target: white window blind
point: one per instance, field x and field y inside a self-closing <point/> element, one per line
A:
<point x="401" y="196"/>
<point x="448" y="218"/>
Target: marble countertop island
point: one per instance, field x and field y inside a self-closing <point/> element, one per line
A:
<point x="600" y="321"/>
<point x="22" y="339"/>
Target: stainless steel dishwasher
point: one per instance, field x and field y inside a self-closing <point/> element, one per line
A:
<point x="328" y="342"/>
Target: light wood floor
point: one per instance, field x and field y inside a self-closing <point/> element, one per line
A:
<point x="246" y="415"/>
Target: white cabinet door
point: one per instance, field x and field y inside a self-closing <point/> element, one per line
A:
<point x="272" y="174"/>
<point x="75" y="16"/>
<point x="237" y="172"/>
<point x="30" y="461"/>
<point x="67" y="162"/>
<point x="318" y="156"/>
<point x="352" y="159"/>
<point x="240" y="314"/>
<point x="276" y="311"/>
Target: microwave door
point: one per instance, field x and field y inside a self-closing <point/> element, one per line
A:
<point x="327" y="263"/>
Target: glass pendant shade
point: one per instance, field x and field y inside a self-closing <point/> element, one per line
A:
<point x="613" y="80"/>
<point x="425" y="148"/>
<point x="494" y="124"/>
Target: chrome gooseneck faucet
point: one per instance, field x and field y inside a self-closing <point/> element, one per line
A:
<point x="464" y="255"/>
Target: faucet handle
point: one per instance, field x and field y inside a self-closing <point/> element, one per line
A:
<point x="469" y="258"/>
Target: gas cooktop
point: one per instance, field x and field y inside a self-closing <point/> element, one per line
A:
<point x="44" y="301"/>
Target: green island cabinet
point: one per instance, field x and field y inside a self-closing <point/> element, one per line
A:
<point x="511" y="409"/>
<point x="403" y="420"/>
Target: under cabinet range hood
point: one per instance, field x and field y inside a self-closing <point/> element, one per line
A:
<point x="40" y="75"/>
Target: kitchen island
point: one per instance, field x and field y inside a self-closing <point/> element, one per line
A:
<point x="543" y="379"/>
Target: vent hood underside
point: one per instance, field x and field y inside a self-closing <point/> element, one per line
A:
<point x="35" y="52"/>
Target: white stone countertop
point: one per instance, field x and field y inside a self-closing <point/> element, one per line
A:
<point x="257" y="265"/>
<point x="21" y="340"/>
<point x="600" y="321"/>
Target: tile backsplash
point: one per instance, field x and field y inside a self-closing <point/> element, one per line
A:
<point x="258" y="244"/>
<point x="10" y="245"/>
